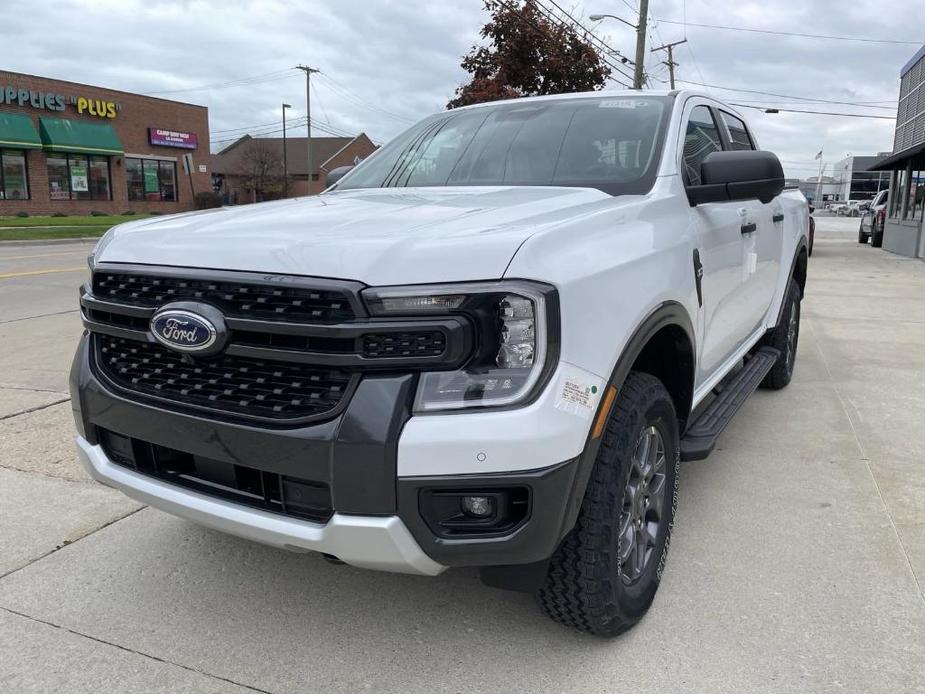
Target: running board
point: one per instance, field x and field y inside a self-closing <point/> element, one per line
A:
<point x="700" y="437"/>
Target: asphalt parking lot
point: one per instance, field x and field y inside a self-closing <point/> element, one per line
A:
<point x="797" y="563"/>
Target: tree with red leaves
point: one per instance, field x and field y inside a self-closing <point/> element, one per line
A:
<point x="528" y="55"/>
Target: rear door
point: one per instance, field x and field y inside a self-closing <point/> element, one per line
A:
<point x="762" y="247"/>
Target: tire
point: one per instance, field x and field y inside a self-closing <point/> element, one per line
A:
<point x="588" y="586"/>
<point x="782" y="339"/>
<point x="862" y="236"/>
<point x="876" y="239"/>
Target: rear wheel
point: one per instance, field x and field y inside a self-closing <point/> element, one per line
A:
<point x="784" y="339"/>
<point x="604" y="575"/>
<point x="876" y="238"/>
<point x="862" y="235"/>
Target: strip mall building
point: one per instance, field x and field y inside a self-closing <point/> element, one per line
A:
<point x="76" y="149"/>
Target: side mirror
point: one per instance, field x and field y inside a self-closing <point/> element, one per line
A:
<point x="738" y="175"/>
<point x="334" y="175"/>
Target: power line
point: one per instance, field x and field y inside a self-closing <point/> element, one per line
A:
<point x="351" y="96"/>
<point x="791" y="33"/>
<point x="786" y="96"/>
<point x="266" y="77"/>
<point x="817" y="113"/>
<point x="550" y="15"/>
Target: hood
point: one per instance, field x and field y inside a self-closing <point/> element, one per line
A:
<point x="376" y="236"/>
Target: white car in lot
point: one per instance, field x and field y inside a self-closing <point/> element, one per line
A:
<point x="491" y="344"/>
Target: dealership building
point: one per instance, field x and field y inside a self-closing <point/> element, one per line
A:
<point x="74" y="149"/>
<point x="904" y="226"/>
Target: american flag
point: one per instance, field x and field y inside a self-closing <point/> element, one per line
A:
<point x="818" y="156"/>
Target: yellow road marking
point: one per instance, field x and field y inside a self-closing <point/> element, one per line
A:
<point x="40" y="255"/>
<point x="8" y="275"/>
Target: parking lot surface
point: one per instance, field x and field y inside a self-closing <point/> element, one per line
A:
<point x="797" y="562"/>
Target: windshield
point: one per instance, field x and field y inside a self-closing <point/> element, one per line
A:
<point x="608" y="143"/>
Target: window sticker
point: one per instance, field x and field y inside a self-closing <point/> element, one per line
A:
<point x="623" y="103"/>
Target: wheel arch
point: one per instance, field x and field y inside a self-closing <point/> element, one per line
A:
<point x="665" y="332"/>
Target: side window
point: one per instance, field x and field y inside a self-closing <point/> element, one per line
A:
<point x="738" y="133"/>
<point x="701" y="138"/>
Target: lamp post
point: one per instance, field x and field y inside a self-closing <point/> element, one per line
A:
<point x="285" y="157"/>
<point x="638" y="74"/>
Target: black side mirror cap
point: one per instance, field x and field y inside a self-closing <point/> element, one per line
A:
<point x="738" y="175"/>
<point x="334" y="175"/>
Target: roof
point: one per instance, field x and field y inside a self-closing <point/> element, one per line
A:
<point x="913" y="60"/>
<point x="228" y="160"/>
<point x="899" y="160"/>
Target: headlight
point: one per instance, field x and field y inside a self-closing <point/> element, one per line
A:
<point x="517" y="336"/>
<point x="91" y="263"/>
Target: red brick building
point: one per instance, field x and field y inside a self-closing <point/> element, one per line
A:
<point x="74" y="149"/>
<point x="251" y="169"/>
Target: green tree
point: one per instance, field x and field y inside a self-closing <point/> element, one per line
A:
<point x="528" y="55"/>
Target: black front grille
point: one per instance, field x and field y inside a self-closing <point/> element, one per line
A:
<point x="410" y="344"/>
<point x="261" y="489"/>
<point x="273" y="301"/>
<point x="241" y="386"/>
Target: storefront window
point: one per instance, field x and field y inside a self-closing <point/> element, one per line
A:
<point x="59" y="186"/>
<point x="78" y="177"/>
<point x="134" y="177"/>
<point x="14" y="184"/>
<point x="151" y="179"/>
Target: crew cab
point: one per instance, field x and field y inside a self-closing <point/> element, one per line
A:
<point x="491" y="344"/>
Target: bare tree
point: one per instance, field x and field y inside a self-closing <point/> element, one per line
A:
<point x="261" y="169"/>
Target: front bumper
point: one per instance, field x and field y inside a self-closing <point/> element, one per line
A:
<point x="369" y="542"/>
<point x="377" y="520"/>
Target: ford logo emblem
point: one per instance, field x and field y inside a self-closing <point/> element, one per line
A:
<point x="186" y="330"/>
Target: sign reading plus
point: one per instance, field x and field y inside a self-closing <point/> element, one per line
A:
<point x="172" y="138"/>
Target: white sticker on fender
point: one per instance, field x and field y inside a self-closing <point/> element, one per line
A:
<point x="578" y="391"/>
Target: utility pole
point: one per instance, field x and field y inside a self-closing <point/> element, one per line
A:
<point x="639" y="77"/>
<point x="670" y="62"/>
<point x="308" y="118"/>
<point x="285" y="156"/>
<point x="817" y="201"/>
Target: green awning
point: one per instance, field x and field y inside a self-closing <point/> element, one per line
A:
<point x="60" y="135"/>
<point x="16" y="130"/>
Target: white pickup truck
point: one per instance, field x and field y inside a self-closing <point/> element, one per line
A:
<point x="491" y="344"/>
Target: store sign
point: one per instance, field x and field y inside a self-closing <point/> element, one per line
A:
<point x="79" y="181"/>
<point x="50" y="101"/>
<point x="172" y="138"/>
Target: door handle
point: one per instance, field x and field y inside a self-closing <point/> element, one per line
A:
<point x="749" y="228"/>
<point x="779" y="217"/>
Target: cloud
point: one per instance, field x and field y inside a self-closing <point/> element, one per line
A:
<point x="387" y="63"/>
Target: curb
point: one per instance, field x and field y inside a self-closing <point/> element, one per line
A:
<point x="47" y="242"/>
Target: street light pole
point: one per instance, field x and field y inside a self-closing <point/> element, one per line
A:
<point x="639" y="77"/>
<point x="285" y="156"/>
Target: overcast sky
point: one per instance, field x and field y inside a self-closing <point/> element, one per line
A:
<point x="387" y="63"/>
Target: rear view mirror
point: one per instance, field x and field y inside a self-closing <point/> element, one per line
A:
<point x="739" y="175"/>
<point x="334" y="175"/>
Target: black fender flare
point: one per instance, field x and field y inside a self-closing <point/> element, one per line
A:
<point x="669" y="313"/>
<point x="801" y="246"/>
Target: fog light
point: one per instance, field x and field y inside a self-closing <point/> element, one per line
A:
<point x="478" y="506"/>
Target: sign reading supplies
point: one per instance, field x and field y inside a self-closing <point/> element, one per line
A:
<point x="172" y="138"/>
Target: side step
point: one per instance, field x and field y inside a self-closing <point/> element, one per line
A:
<point x="700" y="437"/>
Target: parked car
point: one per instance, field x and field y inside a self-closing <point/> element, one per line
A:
<point x="812" y="231"/>
<point x="873" y="220"/>
<point x="851" y="208"/>
<point x="490" y="344"/>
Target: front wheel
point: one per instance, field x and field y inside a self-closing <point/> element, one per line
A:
<point x="876" y="239"/>
<point x="604" y="575"/>
<point x="784" y="339"/>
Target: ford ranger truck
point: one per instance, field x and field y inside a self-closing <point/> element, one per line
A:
<point x="490" y="344"/>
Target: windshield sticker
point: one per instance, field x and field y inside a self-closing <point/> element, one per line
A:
<point x="622" y="103"/>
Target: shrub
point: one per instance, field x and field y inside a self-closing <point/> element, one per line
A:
<point x="59" y="214"/>
<point x="207" y="200"/>
<point x="128" y="213"/>
<point x="97" y="213"/>
<point x="22" y="214"/>
<point x="155" y="213"/>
